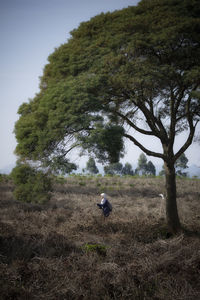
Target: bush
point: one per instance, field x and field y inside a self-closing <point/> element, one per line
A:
<point x="99" y="249"/>
<point x="31" y="185"/>
<point x="4" y="178"/>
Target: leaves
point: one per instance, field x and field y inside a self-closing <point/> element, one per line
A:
<point x="106" y="142"/>
<point x="91" y="166"/>
<point x="139" y="63"/>
<point x="31" y="185"/>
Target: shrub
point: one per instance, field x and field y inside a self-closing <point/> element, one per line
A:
<point x="99" y="249"/>
<point x="31" y="185"/>
<point x="4" y="178"/>
<point x="82" y="183"/>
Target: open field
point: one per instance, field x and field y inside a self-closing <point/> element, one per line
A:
<point x="67" y="250"/>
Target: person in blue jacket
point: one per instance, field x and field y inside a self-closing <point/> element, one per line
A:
<point x="105" y="205"/>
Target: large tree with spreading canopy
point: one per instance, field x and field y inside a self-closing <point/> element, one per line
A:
<point x="137" y="68"/>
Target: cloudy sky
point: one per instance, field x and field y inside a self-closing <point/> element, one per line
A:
<point x="30" y="30"/>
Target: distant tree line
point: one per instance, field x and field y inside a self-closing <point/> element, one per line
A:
<point x="144" y="167"/>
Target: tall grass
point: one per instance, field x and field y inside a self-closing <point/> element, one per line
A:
<point x="67" y="250"/>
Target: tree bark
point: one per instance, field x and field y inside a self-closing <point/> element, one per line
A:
<point x="171" y="204"/>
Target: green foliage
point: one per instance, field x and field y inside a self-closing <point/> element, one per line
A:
<point x="91" y="166"/>
<point x="31" y="185"/>
<point x="150" y="168"/>
<point x="115" y="69"/>
<point x="113" y="169"/>
<point x="138" y="69"/>
<point x="4" y="177"/>
<point x="127" y="169"/>
<point x="99" y="249"/>
<point x="60" y="164"/>
<point x="82" y="183"/>
<point x="106" y="142"/>
<point x="144" y="166"/>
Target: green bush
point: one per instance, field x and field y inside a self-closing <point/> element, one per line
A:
<point x="82" y="183"/>
<point x="31" y="185"/>
<point x="4" y="178"/>
<point x="99" y="249"/>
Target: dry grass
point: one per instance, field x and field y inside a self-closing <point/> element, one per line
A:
<point x="66" y="250"/>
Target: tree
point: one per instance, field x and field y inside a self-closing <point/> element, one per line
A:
<point x="91" y="166"/>
<point x="150" y="168"/>
<point x="181" y="164"/>
<point x="117" y="70"/>
<point x="113" y="169"/>
<point x="127" y="169"/>
<point x="145" y="167"/>
<point x="142" y="164"/>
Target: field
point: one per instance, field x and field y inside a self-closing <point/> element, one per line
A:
<point x="67" y="250"/>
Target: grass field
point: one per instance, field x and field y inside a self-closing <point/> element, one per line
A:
<point x="66" y="249"/>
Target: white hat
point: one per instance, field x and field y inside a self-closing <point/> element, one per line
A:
<point x="103" y="195"/>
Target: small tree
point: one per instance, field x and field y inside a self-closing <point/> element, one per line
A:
<point x="127" y="169"/>
<point x="91" y="166"/>
<point x="142" y="164"/>
<point x="150" y="168"/>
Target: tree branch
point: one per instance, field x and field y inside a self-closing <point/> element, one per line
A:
<point x="70" y="149"/>
<point x="129" y="122"/>
<point x="148" y="152"/>
<point x="152" y="120"/>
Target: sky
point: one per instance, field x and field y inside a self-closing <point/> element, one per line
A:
<point x="30" y="30"/>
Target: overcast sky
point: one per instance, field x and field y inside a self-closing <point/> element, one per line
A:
<point x="30" y="30"/>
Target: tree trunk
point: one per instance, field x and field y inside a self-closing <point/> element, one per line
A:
<point x="171" y="205"/>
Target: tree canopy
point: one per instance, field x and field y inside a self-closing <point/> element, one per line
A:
<point x="136" y="68"/>
<point x="140" y="62"/>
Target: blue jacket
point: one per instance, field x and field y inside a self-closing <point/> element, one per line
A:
<point x="106" y="207"/>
